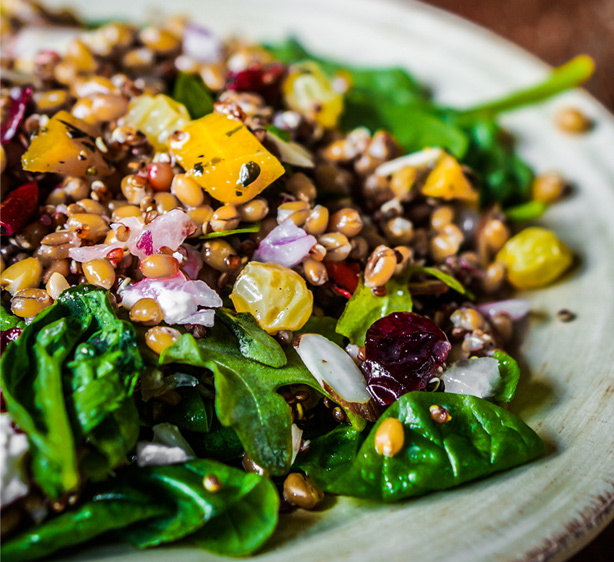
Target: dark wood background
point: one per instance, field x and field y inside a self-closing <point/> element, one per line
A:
<point x="556" y="30"/>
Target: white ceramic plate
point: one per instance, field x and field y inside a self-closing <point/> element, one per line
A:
<point x="550" y="508"/>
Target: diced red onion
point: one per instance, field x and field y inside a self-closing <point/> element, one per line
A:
<point x="514" y="308"/>
<point x="178" y="297"/>
<point x="201" y="44"/>
<point x="287" y="245"/>
<point x="97" y="252"/>
<point x="194" y="261"/>
<point x="15" y="112"/>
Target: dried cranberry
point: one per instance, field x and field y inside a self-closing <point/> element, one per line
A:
<point x="344" y="274"/>
<point x="16" y="111"/>
<point x="403" y="350"/>
<point x="7" y="336"/>
<point x="17" y="208"/>
<point x="264" y="80"/>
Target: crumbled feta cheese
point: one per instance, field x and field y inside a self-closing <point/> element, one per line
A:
<point x="13" y="451"/>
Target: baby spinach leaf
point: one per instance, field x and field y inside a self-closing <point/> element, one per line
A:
<point x="364" y="308"/>
<point x="70" y="370"/>
<point x="254" y="342"/>
<point x="479" y="439"/>
<point x="104" y="512"/>
<point x="9" y="320"/>
<point x="193" y="506"/>
<point x="569" y="75"/>
<point x="449" y="280"/>
<point x="193" y="413"/>
<point x="334" y="449"/>
<point x="221" y="443"/>
<point x="245" y="526"/>
<point x="253" y="227"/>
<point x="510" y="375"/>
<point x="191" y="91"/>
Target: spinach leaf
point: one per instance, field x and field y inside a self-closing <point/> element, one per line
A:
<point x="245" y="526"/>
<point x="569" y="75"/>
<point x="337" y="448"/>
<point x="510" y="375"/>
<point x="325" y="326"/>
<point x="193" y="413"/>
<point x="449" y="280"/>
<point x="364" y="308"/>
<point x="253" y="227"/>
<point x="221" y="443"/>
<point x="479" y="439"/>
<point x="72" y="368"/>
<point x="190" y="90"/>
<point x="9" y="320"/>
<point x="193" y="506"/>
<point x="254" y="342"/>
<point x="105" y="511"/>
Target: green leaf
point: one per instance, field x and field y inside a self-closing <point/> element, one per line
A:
<point x="106" y="511"/>
<point x="254" y="342"/>
<point x="221" y="443"/>
<point x="569" y="75"/>
<point x="510" y="375"/>
<point x="279" y="133"/>
<point x="245" y="526"/>
<point x="9" y="320"/>
<point x="449" y="280"/>
<point x="525" y="212"/>
<point x="253" y="227"/>
<point x="325" y="326"/>
<point x="193" y="413"/>
<point x="190" y="90"/>
<point x="70" y="370"/>
<point x="479" y="439"/>
<point x="193" y="506"/>
<point x="365" y="308"/>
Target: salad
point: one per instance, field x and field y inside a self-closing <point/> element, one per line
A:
<point x="239" y="277"/>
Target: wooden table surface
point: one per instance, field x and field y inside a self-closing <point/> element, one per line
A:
<point x="556" y="30"/>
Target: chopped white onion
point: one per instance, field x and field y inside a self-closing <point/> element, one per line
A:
<point x="514" y="308"/>
<point x="478" y="377"/>
<point x="167" y="447"/>
<point x="335" y="371"/>
<point x="419" y="159"/>
<point x="291" y="152"/>
<point x="287" y="245"/>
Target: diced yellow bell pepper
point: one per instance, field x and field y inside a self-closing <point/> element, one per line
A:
<point x="402" y="181"/>
<point x="447" y="181"/>
<point x="534" y="258"/>
<point x="308" y="91"/>
<point x="158" y="117"/>
<point x="66" y="145"/>
<point x="225" y="158"/>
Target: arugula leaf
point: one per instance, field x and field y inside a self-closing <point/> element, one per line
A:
<point x="9" y="320"/>
<point x="569" y="75"/>
<point x="480" y="439"/>
<point x="449" y="280"/>
<point x="105" y="511"/>
<point x="510" y="375"/>
<point x="325" y="326"/>
<point x="190" y="90"/>
<point x="193" y="506"/>
<point x="246" y="394"/>
<point x="70" y="370"/>
<point x="364" y="308"/>
<point x="254" y="227"/>
<point x="254" y="342"/>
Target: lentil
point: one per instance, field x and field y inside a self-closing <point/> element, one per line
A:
<point x="439" y="414"/>
<point x="336" y="244"/>
<point x="159" y="338"/>
<point x="548" y="187"/>
<point x="346" y="221"/>
<point x="389" y="437"/>
<point x="300" y="490"/>
<point x="315" y="272"/>
<point x="254" y="210"/>
<point x="147" y="312"/>
<point x="572" y="120"/>
<point x="100" y="273"/>
<point x="187" y="191"/>
<point x="380" y="267"/>
<point x="225" y="218"/>
<point x="317" y="222"/>
<point x="216" y="254"/>
<point x="296" y="211"/>
<point x="29" y="302"/>
<point x="56" y="285"/>
<point x="159" y="265"/>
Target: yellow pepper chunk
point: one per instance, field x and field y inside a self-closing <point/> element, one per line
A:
<point x="534" y="258"/>
<point x="447" y="181"/>
<point x="308" y="91"/>
<point x="66" y="145"/>
<point x="158" y="117"/>
<point x="277" y="297"/>
<point x="225" y="158"/>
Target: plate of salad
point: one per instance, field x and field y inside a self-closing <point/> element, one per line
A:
<point x="299" y="279"/>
